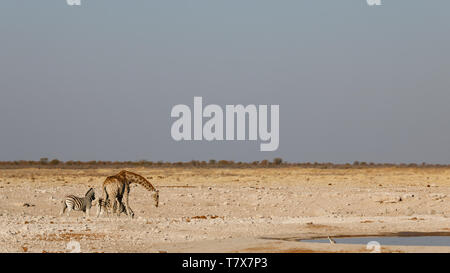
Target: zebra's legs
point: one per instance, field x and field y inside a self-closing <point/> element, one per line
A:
<point x="103" y="206"/>
<point x="106" y="208"/>
<point x="68" y="211"/>
<point x="99" y="209"/>
<point x="63" y="208"/>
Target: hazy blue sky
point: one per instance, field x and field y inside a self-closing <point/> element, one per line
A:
<point x="98" y="82"/>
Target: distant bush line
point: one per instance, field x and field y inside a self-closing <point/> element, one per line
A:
<point x="275" y="163"/>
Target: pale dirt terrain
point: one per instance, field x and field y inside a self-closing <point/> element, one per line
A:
<point x="226" y="210"/>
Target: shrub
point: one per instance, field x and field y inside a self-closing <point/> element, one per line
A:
<point x="226" y="162"/>
<point x="277" y="161"/>
<point x="55" y="162"/>
<point x="264" y="162"/>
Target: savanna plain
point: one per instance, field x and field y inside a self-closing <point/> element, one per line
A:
<point x="226" y="209"/>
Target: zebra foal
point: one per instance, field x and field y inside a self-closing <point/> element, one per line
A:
<point x="72" y="202"/>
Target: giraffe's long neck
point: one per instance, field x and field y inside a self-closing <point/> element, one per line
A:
<point x="136" y="178"/>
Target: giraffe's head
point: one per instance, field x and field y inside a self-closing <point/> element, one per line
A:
<point x="155" y="196"/>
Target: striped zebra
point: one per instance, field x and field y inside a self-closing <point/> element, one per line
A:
<point x="103" y="205"/>
<point x="72" y="202"/>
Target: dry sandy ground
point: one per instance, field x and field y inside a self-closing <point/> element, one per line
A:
<point x="226" y="210"/>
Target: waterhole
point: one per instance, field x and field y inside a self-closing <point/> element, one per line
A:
<point x="388" y="240"/>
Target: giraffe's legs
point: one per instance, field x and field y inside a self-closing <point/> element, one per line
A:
<point x="117" y="205"/>
<point x="107" y="202"/>
<point x="127" y="205"/>
<point x="114" y="207"/>
<point x="113" y="204"/>
<point x="122" y="209"/>
<point x="107" y="207"/>
<point x="120" y="206"/>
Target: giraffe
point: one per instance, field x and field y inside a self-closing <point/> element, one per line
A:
<point x="117" y="187"/>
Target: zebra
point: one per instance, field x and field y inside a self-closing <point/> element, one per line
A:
<point x="105" y="204"/>
<point x="72" y="202"/>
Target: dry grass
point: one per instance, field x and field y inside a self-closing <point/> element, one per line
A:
<point x="200" y="204"/>
<point x="69" y="236"/>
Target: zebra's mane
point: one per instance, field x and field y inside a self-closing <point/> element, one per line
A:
<point x="90" y="194"/>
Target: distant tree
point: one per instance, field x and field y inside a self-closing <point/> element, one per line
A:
<point x="195" y="163"/>
<point x="55" y="162"/>
<point x="277" y="161"/>
<point x="223" y="162"/>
